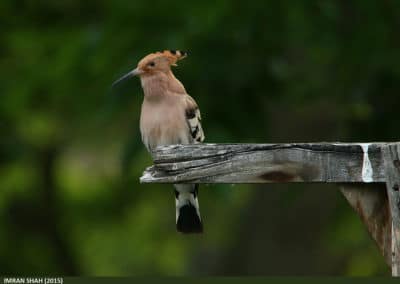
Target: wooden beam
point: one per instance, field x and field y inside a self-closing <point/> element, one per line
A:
<point x="266" y="163"/>
<point x="370" y="201"/>
<point x="354" y="166"/>
<point x="391" y="155"/>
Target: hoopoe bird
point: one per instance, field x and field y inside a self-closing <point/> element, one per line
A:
<point x="170" y="116"/>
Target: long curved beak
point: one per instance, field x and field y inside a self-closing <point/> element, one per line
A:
<point x="133" y="73"/>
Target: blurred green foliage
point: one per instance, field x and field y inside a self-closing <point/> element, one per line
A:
<point x="261" y="71"/>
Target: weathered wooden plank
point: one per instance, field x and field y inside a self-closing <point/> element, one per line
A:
<point x="265" y="163"/>
<point x="352" y="165"/>
<point x="370" y="201"/>
<point x="391" y="155"/>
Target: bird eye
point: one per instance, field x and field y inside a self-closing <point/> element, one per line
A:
<point x="152" y="64"/>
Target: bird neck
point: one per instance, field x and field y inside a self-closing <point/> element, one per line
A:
<point x="160" y="84"/>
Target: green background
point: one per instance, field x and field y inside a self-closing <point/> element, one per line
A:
<point x="261" y="71"/>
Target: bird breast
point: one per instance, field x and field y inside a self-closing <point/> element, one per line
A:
<point x="163" y="122"/>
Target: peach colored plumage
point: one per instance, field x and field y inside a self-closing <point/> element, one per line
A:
<point x="170" y="116"/>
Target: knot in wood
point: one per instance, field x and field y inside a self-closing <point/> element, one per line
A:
<point x="396" y="163"/>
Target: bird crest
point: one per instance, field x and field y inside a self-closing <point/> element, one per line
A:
<point x="171" y="56"/>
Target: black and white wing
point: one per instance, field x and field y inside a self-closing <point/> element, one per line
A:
<point x="193" y="119"/>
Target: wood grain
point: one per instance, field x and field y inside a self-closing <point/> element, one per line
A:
<point x="264" y="163"/>
<point x="391" y="154"/>
<point x="370" y="201"/>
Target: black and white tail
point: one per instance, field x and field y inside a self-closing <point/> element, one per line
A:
<point x="188" y="218"/>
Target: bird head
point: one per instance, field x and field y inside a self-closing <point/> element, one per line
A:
<point x="154" y="63"/>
